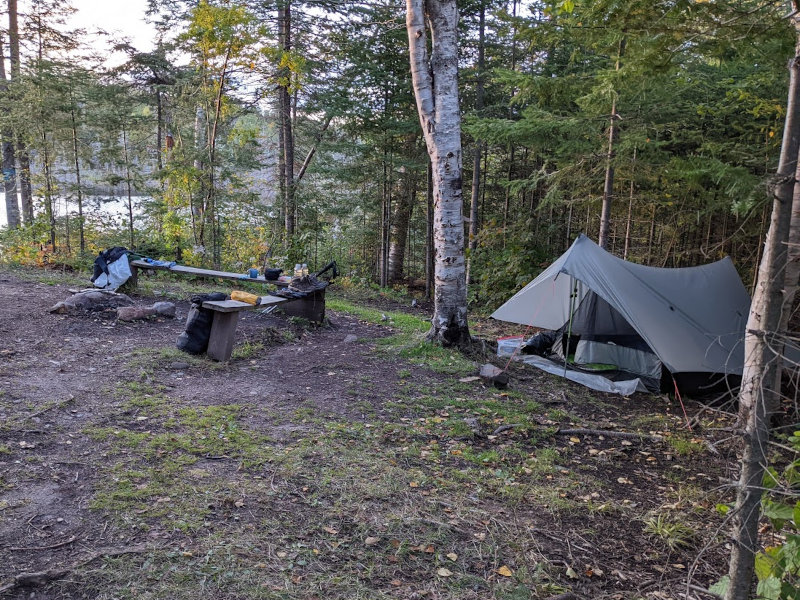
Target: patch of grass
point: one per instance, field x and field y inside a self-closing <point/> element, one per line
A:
<point x="4" y="449"/>
<point x="409" y="342"/>
<point x="247" y="350"/>
<point x="671" y="532"/>
<point x="150" y="359"/>
<point x="403" y="322"/>
<point x="684" y="446"/>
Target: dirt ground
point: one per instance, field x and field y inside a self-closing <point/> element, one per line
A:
<point x="340" y="461"/>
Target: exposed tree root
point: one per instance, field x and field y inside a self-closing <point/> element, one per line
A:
<point x="38" y="578"/>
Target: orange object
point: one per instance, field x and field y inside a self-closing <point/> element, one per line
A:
<point x="245" y="297"/>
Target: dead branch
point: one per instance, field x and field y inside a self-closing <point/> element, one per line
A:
<point x="61" y="404"/>
<point x="503" y="428"/>
<point x="39" y="548"/>
<point x="38" y="578"/>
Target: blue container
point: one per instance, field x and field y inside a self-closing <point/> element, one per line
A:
<point x="253" y="273"/>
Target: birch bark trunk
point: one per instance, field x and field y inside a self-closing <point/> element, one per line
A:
<point x="758" y="392"/>
<point x="435" y="84"/>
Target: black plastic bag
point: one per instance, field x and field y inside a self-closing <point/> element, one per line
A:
<point x="194" y="339"/>
<point x="540" y="344"/>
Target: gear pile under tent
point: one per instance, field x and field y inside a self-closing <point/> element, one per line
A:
<point x="620" y="327"/>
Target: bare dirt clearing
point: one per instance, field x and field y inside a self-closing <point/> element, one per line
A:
<point x="346" y="461"/>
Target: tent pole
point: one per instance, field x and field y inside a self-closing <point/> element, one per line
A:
<point x="573" y="293"/>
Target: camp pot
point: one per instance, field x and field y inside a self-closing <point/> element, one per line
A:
<point x="272" y="273"/>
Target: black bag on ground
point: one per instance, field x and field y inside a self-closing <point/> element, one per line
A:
<point x="540" y="344"/>
<point x="194" y="339"/>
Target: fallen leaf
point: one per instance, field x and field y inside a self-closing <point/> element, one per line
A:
<point x="413" y="484"/>
<point x="396" y="582"/>
<point x="371" y="541"/>
<point x="330" y="530"/>
<point x="429" y="549"/>
<point x="571" y="573"/>
<point x="452" y="556"/>
<point x="504" y="571"/>
<point x="442" y="572"/>
<point x="575" y="440"/>
<point x="24" y="444"/>
<point x="469" y="379"/>
<point x="281" y="554"/>
<point x="624" y="480"/>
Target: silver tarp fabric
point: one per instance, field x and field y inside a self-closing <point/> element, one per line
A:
<point x="692" y="318"/>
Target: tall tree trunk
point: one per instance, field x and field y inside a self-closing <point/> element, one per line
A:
<point x="608" y="186"/>
<point x="212" y="128"/>
<point x="25" y="187"/>
<point x="400" y="222"/>
<point x="758" y="393"/>
<point x="159" y="129"/>
<point x="281" y="169"/>
<point x="630" y="211"/>
<point x="435" y="84"/>
<point x="78" y="190"/>
<point x="507" y="200"/>
<point x="198" y="205"/>
<point x="22" y="154"/>
<point x="285" y="25"/>
<point x="386" y="197"/>
<point x="48" y="192"/>
<point x="132" y="239"/>
<point x="430" y="252"/>
<point x="476" y="153"/>
<point x="8" y="160"/>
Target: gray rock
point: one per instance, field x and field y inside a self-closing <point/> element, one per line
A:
<point x="350" y="339"/>
<point x="179" y="365"/>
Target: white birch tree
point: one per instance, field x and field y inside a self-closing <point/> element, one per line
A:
<point x="760" y="388"/>
<point x="435" y="81"/>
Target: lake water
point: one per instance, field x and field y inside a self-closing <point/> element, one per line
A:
<point x="113" y="208"/>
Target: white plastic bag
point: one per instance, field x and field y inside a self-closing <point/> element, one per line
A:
<point x="119" y="272"/>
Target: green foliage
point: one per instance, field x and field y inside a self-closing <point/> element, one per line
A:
<point x="777" y="567"/>
<point x="504" y="262"/>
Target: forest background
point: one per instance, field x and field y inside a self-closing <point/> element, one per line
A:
<point x="258" y="129"/>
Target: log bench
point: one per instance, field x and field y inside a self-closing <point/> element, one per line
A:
<point x="311" y="307"/>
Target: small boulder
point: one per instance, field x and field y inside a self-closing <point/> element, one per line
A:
<point x="495" y="376"/>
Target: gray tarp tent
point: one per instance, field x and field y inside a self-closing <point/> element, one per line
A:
<point x="692" y="319"/>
